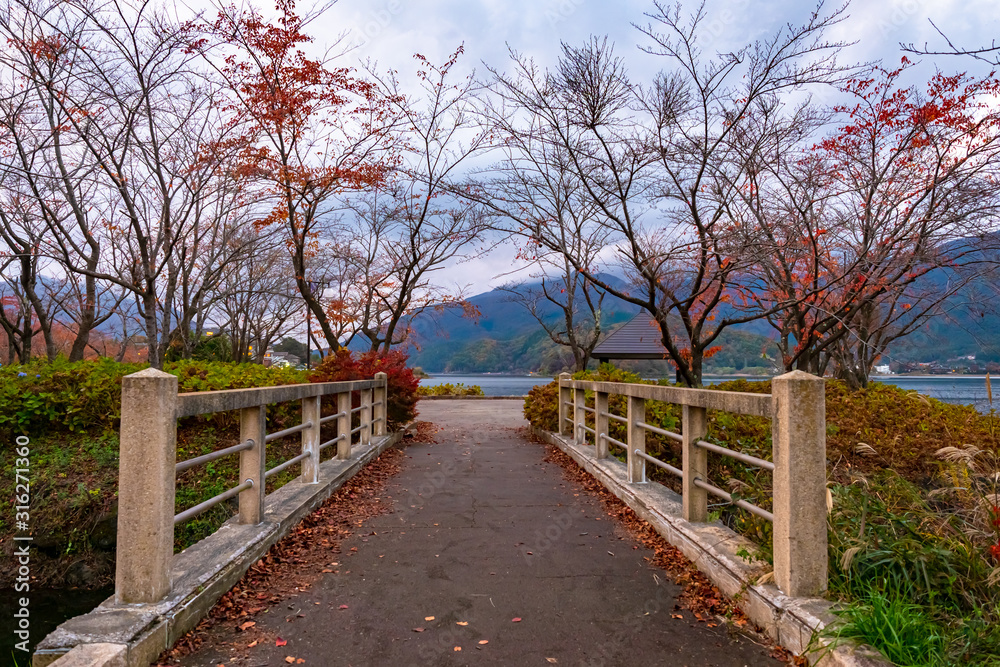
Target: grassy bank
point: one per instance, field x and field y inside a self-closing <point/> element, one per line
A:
<point x="914" y="524"/>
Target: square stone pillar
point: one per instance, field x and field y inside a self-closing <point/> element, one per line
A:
<point x="381" y="426"/>
<point x="636" y="440"/>
<point x="311" y="412"/>
<point x="694" y="500"/>
<point x="601" y="424"/>
<point x="344" y="425"/>
<point x="146" y="484"/>
<point x="798" y="434"/>
<point x="253" y="464"/>
<point x="579" y="416"/>
<point x="366" y="416"/>
<point x="564" y="427"/>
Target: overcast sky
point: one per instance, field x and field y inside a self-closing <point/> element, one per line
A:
<point x="391" y="31"/>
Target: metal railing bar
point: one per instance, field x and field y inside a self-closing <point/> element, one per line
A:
<point x="588" y="430"/>
<point x="610" y="415"/>
<point x="288" y="431"/>
<point x="358" y="429"/>
<point x="287" y="464"/>
<point x="660" y="431"/>
<point x="586" y="409"/>
<point x="739" y="456"/>
<point x="378" y="419"/>
<point x="207" y="458"/>
<point x="716" y="491"/>
<point x="330" y="418"/>
<point x="192" y="512"/>
<point x="332" y="442"/>
<point x="358" y="409"/>
<point x="657" y="462"/>
<point x="617" y="443"/>
<point x="377" y="403"/>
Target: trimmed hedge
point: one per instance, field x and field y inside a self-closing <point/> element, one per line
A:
<point x="83" y="396"/>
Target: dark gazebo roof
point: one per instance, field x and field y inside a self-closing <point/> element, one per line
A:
<point x="639" y="338"/>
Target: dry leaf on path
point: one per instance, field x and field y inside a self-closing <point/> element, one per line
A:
<point x="280" y="642"/>
<point x="516" y="620"/>
<point x="248" y="624"/>
<point x="484" y="641"/>
<point x="461" y="622"/>
<point x="428" y="618"/>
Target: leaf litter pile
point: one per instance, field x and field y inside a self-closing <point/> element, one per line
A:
<point x="298" y="560"/>
<point x="698" y="594"/>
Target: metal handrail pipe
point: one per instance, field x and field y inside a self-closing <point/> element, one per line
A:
<point x="332" y="442"/>
<point x="378" y="419"/>
<point x="589" y="430"/>
<point x="657" y="462"/>
<point x="207" y="458"/>
<point x="660" y="431"/>
<point x="358" y="429"/>
<point x="287" y="464"/>
<point x="586" y="409"/>
<point x="739" y="456"/>
<point x="330" y="418"/>
<point x="567" y="402"/>
<point x="617" y="443"/>
<point x="742" y="504"/>
<point x="617" y="418"/>
<point x="377" y="403"/>
<point x="288" y="431"/>
<point x="192" y="512"/>
<point x="358" y="409"/>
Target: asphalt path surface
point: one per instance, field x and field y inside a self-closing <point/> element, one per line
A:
<point x="491" y="557"/>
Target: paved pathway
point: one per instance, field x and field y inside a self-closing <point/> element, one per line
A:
<point x="469" y="509"/>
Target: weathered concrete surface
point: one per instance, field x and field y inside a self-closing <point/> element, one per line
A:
<point x="799" y="450"/>
<point x="96" y="655"/>
<point x="146" y="494"/>
<point x="485" y="531"/>
<point x="201" y="574"/>
<point x="792" y="622"/>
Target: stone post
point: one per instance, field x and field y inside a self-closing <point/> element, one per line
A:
<point x="564" y="398"/>
<point x="636" y="440"/>
<point x="253" y="463"/>
<point x="382" y="410"/>
<point x="366" y="416"/>
<point x="579" y="416"/>
<point x="311" y="411"/>
<point x="694" y="500"/>
<point x="601" y="424"/>
<point x="798" y="435"/>
<point x="344" y="425"/>
<point x="147" y="456"/>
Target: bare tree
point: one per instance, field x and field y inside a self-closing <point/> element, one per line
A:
<point x="657" y="163"/>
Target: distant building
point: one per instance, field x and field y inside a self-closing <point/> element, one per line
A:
<point x="883" y="370"/>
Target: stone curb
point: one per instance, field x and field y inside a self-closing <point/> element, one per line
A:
<point x="133" y="635"/>
<point x="792" y="622"/>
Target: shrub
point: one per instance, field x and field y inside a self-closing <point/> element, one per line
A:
<point x="402" y="383"/>
<point x="449" y="389"/>
<point x="82" y="396"/>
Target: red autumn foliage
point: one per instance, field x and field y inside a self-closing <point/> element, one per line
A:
<point x="342" y="365"/>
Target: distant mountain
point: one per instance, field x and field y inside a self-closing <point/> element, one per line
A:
<point x="507" y="339"/>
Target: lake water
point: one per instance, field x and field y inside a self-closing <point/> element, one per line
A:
<point x="961" y="389"/>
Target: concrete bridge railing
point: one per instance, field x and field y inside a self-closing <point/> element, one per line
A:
<point x="797" y="409"/>
<point x="148" y="463"/>
<point x="160" y="595"/>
